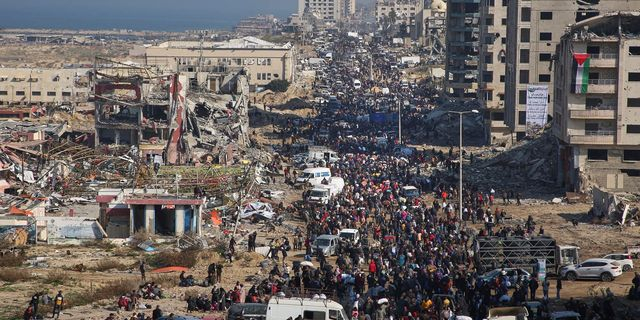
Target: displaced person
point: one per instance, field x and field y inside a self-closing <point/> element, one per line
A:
<point x="58" y="302"/>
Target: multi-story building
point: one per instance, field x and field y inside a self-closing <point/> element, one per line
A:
<point x="431" y="29"/>
<point x="262" y="61"/>
<point x="398" y="11"/>
<point x="597" y="102"/>
<point x="535" y="27"/>
<point x="491" y="67"/>
<point x="39" y="85"/>
<point x="461" y="77"/>
<point x="349" y="8"/>
<point x="327" y="10"/>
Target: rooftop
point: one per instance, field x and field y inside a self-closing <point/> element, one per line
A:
<point x="624" y="23"/>
<point x="240" y="43"/>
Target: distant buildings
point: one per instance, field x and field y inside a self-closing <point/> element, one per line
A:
<point x="398" y="11"/>
<point x="331" y="11"/>
<point x="43" y="86"/>
<point x="596" y="108"/>
<point x="257" y="26"/>
<point x="262" y="61"/>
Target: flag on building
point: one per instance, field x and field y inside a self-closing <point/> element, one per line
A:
<point x="581" y="68"/>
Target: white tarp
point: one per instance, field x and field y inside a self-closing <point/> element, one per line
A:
<point x="536" y="112"/>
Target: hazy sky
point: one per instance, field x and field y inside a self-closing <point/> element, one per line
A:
<point x="174" y="15"/>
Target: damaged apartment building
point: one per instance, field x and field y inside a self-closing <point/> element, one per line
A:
<point x="596" y="107"/>
<point x="160" y="119"/>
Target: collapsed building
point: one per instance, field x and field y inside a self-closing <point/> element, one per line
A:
<point x="162" y="121"/>
<point x="153" y="133"/>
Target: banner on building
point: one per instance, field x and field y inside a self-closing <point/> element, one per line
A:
<point x="536" y="112"/>
<point x="581" y="63"/>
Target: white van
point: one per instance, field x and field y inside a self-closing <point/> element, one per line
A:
<point x="351" y="235"/>
<point x="316" y="309"/>
<point x="314" y="176"/>
<point x="323" y="193"/>
<point x="357" y="84"/>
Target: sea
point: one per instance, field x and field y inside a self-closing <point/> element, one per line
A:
<point x="155" y="15"/>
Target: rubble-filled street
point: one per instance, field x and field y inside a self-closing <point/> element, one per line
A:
<point x="323" y="174"/>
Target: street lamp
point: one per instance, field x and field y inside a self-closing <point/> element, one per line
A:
<point x="460" y="114"/>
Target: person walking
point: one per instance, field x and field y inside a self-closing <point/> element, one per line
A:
<point x="157" y="313"/>
<point x="533" y="287"/>
<point x="545" y="289"/>
<point x="142" y="271"/>
<point x="58" y="301"/>
<point x="558" y="287"/>
<point x="35" y="300"/>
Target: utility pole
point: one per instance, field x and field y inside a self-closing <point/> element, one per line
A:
<point x="399" y="123"/>
<point x="460" y="114"/>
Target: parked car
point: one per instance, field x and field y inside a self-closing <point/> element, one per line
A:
<point x="624" y="259"/>
<point x="603" y="269"/>
<point x="512" y="273"/>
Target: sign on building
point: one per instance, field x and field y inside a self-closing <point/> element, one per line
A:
<point x="536" y="112"/>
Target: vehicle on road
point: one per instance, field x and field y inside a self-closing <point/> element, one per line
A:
<point x="603" y="269"/>
<point x="409" y="192"/>
<point x="508" y="313"/>
<point x="314" y="176"/>
<point x="327" y="243"/>
<point x="357" y="84"/>
<point x="624" y="259"/>
<point x="511" y="273"/>
<point x="497" y="251"/>
<point x="280" y="308"/>
<point x="564" y="315"/>
<point x="351" y="235"/>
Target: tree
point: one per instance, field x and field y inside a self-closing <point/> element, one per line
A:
<point x="278" y="85"/>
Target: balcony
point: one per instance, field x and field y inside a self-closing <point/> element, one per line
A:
<point x="602" y="112"/>
<point x="603" y="60"/>
<point x="604" y="86"/>
<point x="605" y="137"/>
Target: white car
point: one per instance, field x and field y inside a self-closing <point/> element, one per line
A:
<point x="603" y="269"/>
<point x="624" y="259"/>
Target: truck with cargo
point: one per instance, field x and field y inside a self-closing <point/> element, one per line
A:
<point x="323" y="193"/>
<point x="525" y="253"/>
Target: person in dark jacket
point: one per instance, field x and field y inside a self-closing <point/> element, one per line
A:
<point x="157" y="313"/>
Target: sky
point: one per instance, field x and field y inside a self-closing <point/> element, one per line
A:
<point x="167" y="15"/>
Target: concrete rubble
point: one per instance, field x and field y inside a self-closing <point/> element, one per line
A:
<point x="156" y="138"/>
<point x="531" y="161"/>
<point x="615" y="208"/>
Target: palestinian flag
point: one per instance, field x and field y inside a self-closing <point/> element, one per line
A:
<point x="581" y="69"/>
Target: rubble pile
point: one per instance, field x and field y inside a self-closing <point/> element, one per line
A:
<point x="615" y="208"/>
<point x="530" y="161"/>
<point x="294" y="93"/>
<point x="443" y="128"/>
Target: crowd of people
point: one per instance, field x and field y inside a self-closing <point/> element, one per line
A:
<point x="414" y="258"/>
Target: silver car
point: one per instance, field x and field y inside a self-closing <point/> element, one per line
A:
<point x="603" y="269"/>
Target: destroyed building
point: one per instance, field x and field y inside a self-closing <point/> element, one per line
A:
<point x="597" y="108"/>
<point x="134" y="109"/>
